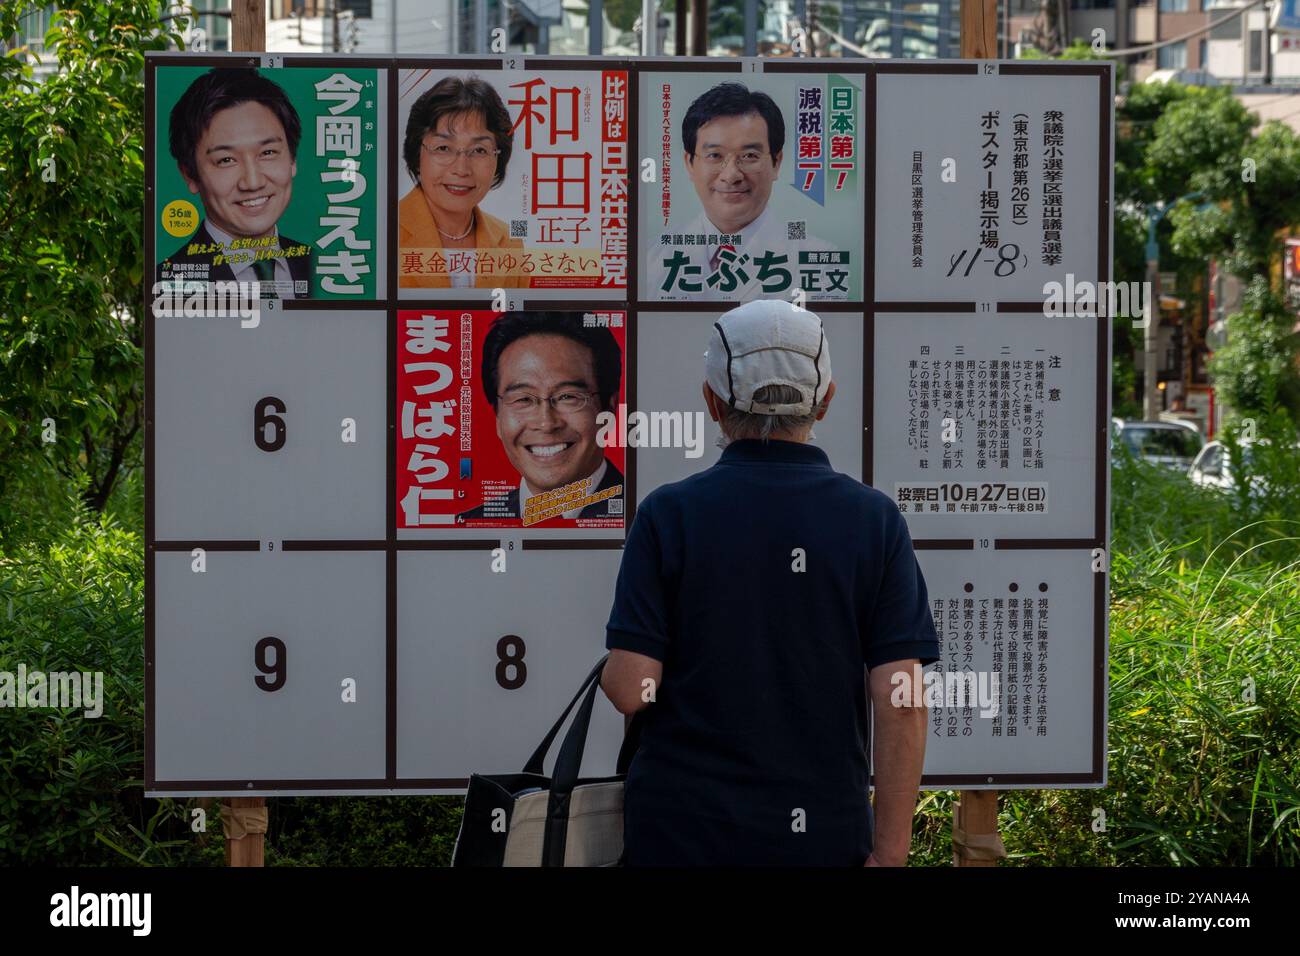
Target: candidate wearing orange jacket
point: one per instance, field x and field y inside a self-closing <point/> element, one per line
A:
<point x="457" y="146"/>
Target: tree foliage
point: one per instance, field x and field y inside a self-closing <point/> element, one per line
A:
<point x="72" y="176"/>
<point x="1206" y="143"/>
<point x="1255" y="371"/>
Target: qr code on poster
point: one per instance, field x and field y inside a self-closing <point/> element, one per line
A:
<point x="518" y="228"/>
<point x="616" y="506"/>
<point x="795" y="230"/>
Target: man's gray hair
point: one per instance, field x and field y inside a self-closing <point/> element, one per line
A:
<point x="738" y="424"/>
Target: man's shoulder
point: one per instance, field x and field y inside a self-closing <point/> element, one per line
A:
<point x="838" y="491"/>
<point x="201" y="239"/>
<point x="612" y="476"/>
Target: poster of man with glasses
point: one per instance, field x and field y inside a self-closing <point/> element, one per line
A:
<point x="500" y="419"/>
<point x="512" y="179"/>
<point x="759" y="191"/>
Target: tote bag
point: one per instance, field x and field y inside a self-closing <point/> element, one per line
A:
<point x="530" y="819"/>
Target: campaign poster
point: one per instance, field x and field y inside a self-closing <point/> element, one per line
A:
<point x="512" y="179"/>
<point x="269" y="175"/>
<point x="758" y="189"/>
<point x="501" y="420"/>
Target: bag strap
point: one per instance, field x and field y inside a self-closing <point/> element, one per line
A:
<point x="631" y="741"/>
<point x="536" y="761"/>
<point x="564" y="778"/>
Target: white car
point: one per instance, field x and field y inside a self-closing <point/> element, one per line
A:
<point x="1171" y="444"/>
<point x="1212" y="469"/>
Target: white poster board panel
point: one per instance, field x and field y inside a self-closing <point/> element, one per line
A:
<point x="985" y="425"/>
<point x="986" y="185"/>
<point x="252" y="426"/>
<point x="463" y="707"/>
<point x="251" y="658"/>
<point x="1026" y="618"/>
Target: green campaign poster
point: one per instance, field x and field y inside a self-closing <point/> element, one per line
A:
<point x="269" y="175"/>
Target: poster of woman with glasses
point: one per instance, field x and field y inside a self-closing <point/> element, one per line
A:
<point x="513" y="179"/>
<point x="504" y="419"/>
<point x="759" y="186"/>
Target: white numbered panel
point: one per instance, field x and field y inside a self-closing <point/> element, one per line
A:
<point x="254" y="658"/>
<point x="272" y="431"/>
<point x="987" y="184"/>
<point x="986" y="425"/>
<point x="670" y="373"/>
<point x="487" y="660"/>
<point x="1023" y="626"/>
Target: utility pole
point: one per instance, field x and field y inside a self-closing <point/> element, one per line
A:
<point x="649" y="27"/>
<point x="1151" y="320"/>
<point x="1266" y="52"/>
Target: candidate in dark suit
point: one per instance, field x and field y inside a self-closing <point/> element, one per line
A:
<point x="208" y="256"/>
<point x="234" y="135"/>
<point x="508" y="506"/>
<point x="548" y="378"/>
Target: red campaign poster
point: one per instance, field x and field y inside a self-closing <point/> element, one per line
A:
<point x="505" y="420"/>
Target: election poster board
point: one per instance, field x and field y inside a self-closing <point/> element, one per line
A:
<point x="542" y="206"/>
<point x="366" y="572"/>
<point x="286" y="188"/>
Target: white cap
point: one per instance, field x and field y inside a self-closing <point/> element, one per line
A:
<point x="768" y="342"/>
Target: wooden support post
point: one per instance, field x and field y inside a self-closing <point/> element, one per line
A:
<point x="699" y="27"/>
<point x="248" y="25"/>
<point x="246" y="832"/>
<point x="975" y="840"/>
<point x="979" y="29"/>
<point x="243" y="821"/>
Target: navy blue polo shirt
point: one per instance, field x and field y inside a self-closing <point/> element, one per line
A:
<point x="764" y="584"/>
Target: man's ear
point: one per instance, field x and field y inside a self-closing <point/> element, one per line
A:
<point x="193" y="184"/>
<point x="826" y="400"/>
<point x="776" y="162"/>
<point x="710" y="402"/>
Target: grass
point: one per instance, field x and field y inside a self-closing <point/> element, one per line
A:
<point x="1203" y="739"/>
